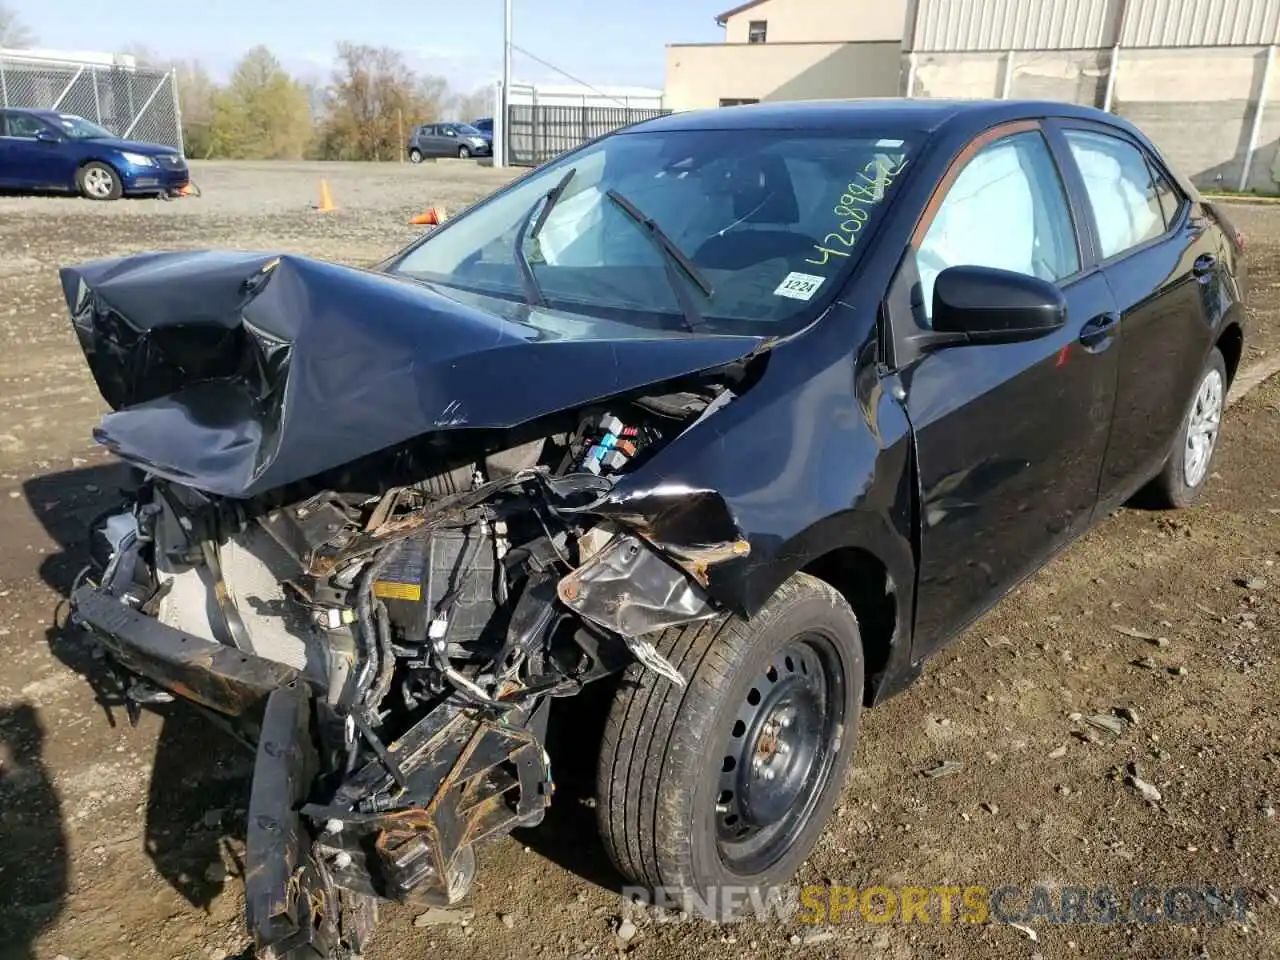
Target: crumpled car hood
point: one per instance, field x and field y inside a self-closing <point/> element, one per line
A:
<point x="236" y="373"/>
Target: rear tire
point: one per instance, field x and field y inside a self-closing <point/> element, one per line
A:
<point x="1190" y="460"/>
<point x="731" y="779"/>
<point x="464" y="152"/>
<point x="98" y="181"/>
<point x="415" y="155"/>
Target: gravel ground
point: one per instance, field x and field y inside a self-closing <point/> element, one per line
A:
<point x="124" y="842"/>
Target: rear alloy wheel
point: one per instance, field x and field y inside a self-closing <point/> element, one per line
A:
<point x="97" y="181"/>
<point x="415" y="155"/>
<point x="1187" y="469"/>
<point x="464" y="152"/>
<point x="730" y="780"/>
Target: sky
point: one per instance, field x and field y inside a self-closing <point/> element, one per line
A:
<point x="604" y="42"/>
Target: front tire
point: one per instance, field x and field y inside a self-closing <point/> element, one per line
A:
<point x="1190" y="460"/>
<point x="464" y="152"/>
<point x="731" y="779"/>
<point x="98" y="181"/>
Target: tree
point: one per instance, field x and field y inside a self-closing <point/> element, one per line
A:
<point x="13" y="32"/>
<point x="196" y="93"/>
<point x="375" y="100"/>
<point x="473" y="105"/>
<point x="262" y="114"/>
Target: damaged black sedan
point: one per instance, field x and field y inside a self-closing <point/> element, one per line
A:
<point x="757" y="407"/>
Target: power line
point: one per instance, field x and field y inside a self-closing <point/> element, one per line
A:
<point x="566" y="73"/>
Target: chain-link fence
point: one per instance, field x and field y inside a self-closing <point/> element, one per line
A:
<point x="132" y="102"/>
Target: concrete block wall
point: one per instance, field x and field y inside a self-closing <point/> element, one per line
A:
<point x="1197" y="103"/>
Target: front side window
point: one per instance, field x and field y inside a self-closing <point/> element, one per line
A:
<point x="757" y="31"/>
<point x="1007" y="209"/>
<point x="1125" y="201"/>
<point x="78" y="128"/>
<point x="770" y="221"/>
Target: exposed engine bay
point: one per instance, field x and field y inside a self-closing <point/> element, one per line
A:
<point x="411" y="625"/>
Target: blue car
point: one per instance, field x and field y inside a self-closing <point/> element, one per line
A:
<point x="49" y="150"/>
<point x="485" y="126"/>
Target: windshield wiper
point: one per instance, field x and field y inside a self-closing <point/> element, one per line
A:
<point x="532" y="292"/>
<point x="675" y="257"/>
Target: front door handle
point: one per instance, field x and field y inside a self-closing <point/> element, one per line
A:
<point x="1203" y="266"/>
<point x="1097" y="334"/>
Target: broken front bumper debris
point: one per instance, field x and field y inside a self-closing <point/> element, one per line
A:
<point x="354" y="800"/>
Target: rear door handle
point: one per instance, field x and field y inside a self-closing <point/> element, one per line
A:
<point x="1204" y="265"/>
<point x="1097" y="334"/>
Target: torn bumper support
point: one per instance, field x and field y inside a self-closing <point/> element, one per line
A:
<point x="291" y="906"/>
<point x="213" y="675"/>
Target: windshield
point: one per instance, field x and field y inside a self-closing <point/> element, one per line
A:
<point x="771" y="220"/>
<point x="466" y="130"/>
<point x="78" y="128"/>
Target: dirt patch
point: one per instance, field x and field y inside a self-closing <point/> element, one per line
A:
<point x="125" y="842"/>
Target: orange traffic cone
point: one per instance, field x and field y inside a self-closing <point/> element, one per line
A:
<point x="326" y="201"/>
<point x="431" y="217"/>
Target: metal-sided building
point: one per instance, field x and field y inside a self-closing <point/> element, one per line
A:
<point x="1196" y="75"/>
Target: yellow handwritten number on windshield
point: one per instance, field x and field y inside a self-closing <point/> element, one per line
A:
<point x="851" y="207"/>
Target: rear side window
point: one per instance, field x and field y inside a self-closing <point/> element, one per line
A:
<point x="21" y="125"/>
<point x="1126" y="200"/>
<point x="1007" y="209"/>
<point x="1170" y="197"/>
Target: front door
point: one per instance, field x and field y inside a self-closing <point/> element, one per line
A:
<point x="1158" y="252"/>
<point x="1009" y="437"/>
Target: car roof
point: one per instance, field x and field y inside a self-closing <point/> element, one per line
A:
<point x="896" y="114"/>
<point x="44" y="112"/>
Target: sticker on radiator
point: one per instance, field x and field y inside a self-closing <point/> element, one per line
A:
<point x="391" y="590"/>
<point x="799" y="286"/>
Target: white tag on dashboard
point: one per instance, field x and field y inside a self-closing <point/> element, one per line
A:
<point x="799" y="286"/>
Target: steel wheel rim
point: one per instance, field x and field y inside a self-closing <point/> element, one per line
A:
<point x="1203" y="423"/>
<point x="98" y="182"/>
<point x="778" y="754"/>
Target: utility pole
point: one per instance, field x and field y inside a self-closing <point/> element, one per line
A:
<point x="500" y="124"/>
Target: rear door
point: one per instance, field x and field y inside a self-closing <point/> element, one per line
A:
<point x="1160" y="256"/>
<point x="8" y="156"/>
<point x="34" y="162"/>
<point x="427" y="139"/>
<point x="1009" y="437"/>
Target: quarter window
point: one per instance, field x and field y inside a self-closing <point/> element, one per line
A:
<point x="1170" y="197"/>
<point x="1126" y="201"/>
<point x="1007" y="209"/>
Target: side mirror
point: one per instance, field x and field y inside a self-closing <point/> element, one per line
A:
<point x="47" y="136"/>
<point x="985" y="305"/>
